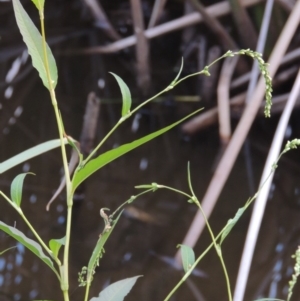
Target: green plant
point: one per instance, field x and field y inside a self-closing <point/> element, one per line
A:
<point x="43" y="60"/>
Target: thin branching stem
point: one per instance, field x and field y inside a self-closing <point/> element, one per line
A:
<point x="65" y="271"/>
<point x="118" y="124"/>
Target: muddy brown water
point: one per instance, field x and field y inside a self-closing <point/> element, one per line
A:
<point x="147" y="234"/>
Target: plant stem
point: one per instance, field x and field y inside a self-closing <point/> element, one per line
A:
<point x="101" y="142"/>
<point x="19" y="210"/>
<point x="200" y="72"/>
<point x="171" y="86"/>
<point x="217" y="247"/>
<point x="38" y="237"/>
<point x="175" y="190"/>
<point x="66" y="295"/>
<point x="218" y="250"/>
<point x="65" y="273"/>
<point x="129" y="201"/>
<point x="118" y="124"/>
<point x="87" y="290"/>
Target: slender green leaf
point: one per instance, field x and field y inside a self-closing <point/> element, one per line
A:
<point x="117" y="291"/>
<point x="39" y="4"/>
<point x="187" y="257"/>
<point x="30" y="153"/>
<point x="115" y="153"/>
<point x="231" y="222"/>
<point x="55" y="245"/>
<point x="16" y="188"/>
<point x="99" y="249"/>
<point x="126" y="96"/>
<point x="34" y="43"/>
<point x="30" y="244"/>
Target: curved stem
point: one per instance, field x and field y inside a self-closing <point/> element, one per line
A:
<point x="175" y="190"/>
<point x="129" y="201"/>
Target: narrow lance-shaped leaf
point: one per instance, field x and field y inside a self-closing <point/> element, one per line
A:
<point x="39" y="4"/>
<point x="34" y="43"/>
<point x="115" y="153"/>
<point x="30" y="153"/>
<point x="117" y="291"/>
<point x="16" y="188"/>
<point x="187" y="257"/>
<point x="126" y="96"/>
<point x="231" y="222"/>
<point x="98" y="250"/>
<point x="30" y="244"/>
<point x="55" y="245"/>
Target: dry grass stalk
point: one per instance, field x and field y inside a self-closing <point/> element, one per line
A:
<point x="215" y="26"/>
<point x="101" y="19"/>
<point x="156" y="12"/>
<point x="215" y="10"/>
<point x="223" y="98"/>
<point x="243" y="24"/>
<point x="142" y="47"/>
<point x="260" y="203"/>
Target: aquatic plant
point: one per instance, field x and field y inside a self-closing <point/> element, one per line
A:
<point x="44" y="61"/>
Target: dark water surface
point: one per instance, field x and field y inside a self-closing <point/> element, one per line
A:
<point x="139" y="243"/>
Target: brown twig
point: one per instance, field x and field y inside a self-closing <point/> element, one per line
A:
<point x="142" y="47"/>
<point x="286" y="4"/>
<point x="156" y="12"/>
<point x="214" y="25"/>
<point x="209" y="83"/>
<point x="215" y="10"/>
<point x="223" y="98"/>
<point x="243" y="24"/>
<point x="101" y="19"/>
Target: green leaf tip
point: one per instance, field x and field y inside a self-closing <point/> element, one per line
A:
<point x="55" y="245"/>
<point x="39" y="4"/>
<point x="17" y="187"/>
<point x="34" y="43"/>
<point x="117" y="291"/>
<point x="126" y="96"/>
